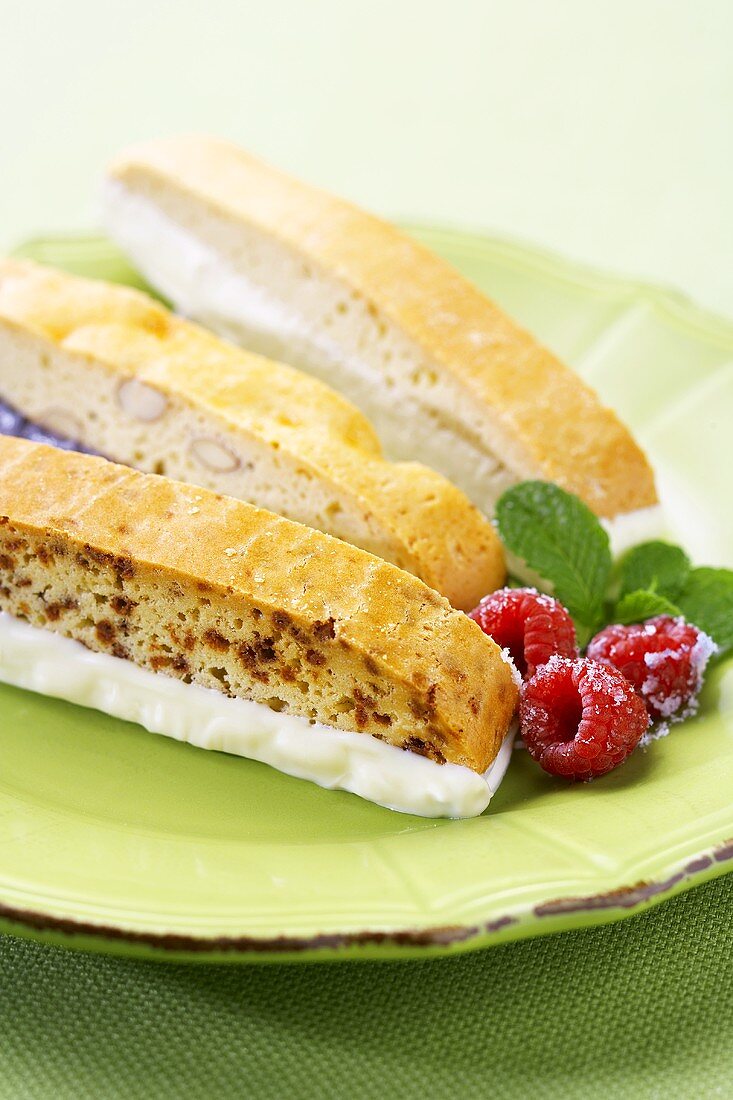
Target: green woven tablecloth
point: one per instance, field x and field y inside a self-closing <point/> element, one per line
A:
<point x="641" y="1008"/>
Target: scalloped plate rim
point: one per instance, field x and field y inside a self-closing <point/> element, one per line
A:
<point x="560" y="914"/>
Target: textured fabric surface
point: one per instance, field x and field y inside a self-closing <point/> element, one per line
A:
<point x="642" y="1008"/>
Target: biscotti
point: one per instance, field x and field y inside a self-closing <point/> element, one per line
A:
<point x="219" y="594"/>
<point x="445" y="376"/>
<point x="116" y="373"/>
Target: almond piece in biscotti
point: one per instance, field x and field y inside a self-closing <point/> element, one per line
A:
<point x="214" y="455"/>
<point x="162" y="395"/>
<point x="140" y="401"/>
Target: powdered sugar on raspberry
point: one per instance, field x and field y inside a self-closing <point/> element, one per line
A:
<point x="580" y="719"/>
<point x="655" y="733"/>
<point x="702" y="651"/>
<point x="669" y="706"/>
<point x="664" y="659"/>
<point x="507" y="659"/>
<point x="530" y="625"/>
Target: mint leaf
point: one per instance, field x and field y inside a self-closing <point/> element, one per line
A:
<point x="707" y="601"/>
<point x="656" y="567"/>
<point x="558" y="536"/>
<point x="635" y="607"/>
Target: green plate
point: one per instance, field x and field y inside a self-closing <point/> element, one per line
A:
<point x="113" y="839"/>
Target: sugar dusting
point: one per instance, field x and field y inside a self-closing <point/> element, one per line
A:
<point x="653" y="689"/>
<point x="508" y="660"/>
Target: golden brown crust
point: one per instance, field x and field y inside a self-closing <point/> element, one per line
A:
<point x="428" y="525"/>
<point x="556" y="423"/>
<point x="372" y="621"/>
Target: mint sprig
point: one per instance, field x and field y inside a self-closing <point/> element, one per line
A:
<point x="707" y="601"/>
<point x="635" y="607"/>
<point x="655" y="567"/>
<point x="557" y="536"/>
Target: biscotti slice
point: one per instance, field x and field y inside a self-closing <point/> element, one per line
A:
<point x="219" y="594"/>
<point x="116" y="373"/>
<point x="445" y="376"/>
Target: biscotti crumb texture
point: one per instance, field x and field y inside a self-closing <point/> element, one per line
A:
<point x="487" y="396"/>
<point x="111" y="368"/>
<point x="216" y="592"/>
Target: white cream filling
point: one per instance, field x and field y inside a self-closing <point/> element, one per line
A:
<point x="203" y="285"/>
<point x="50" y="664"/>
<point x="192" y="275"/>
<point x="631" y="528"/>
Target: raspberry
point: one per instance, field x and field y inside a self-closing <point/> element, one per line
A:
<point x="663" y="659"/>
<point x="533" y="627"/>
<point x="579" y="718"/>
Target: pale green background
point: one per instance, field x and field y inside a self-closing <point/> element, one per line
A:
<point x="601" y="129"/>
